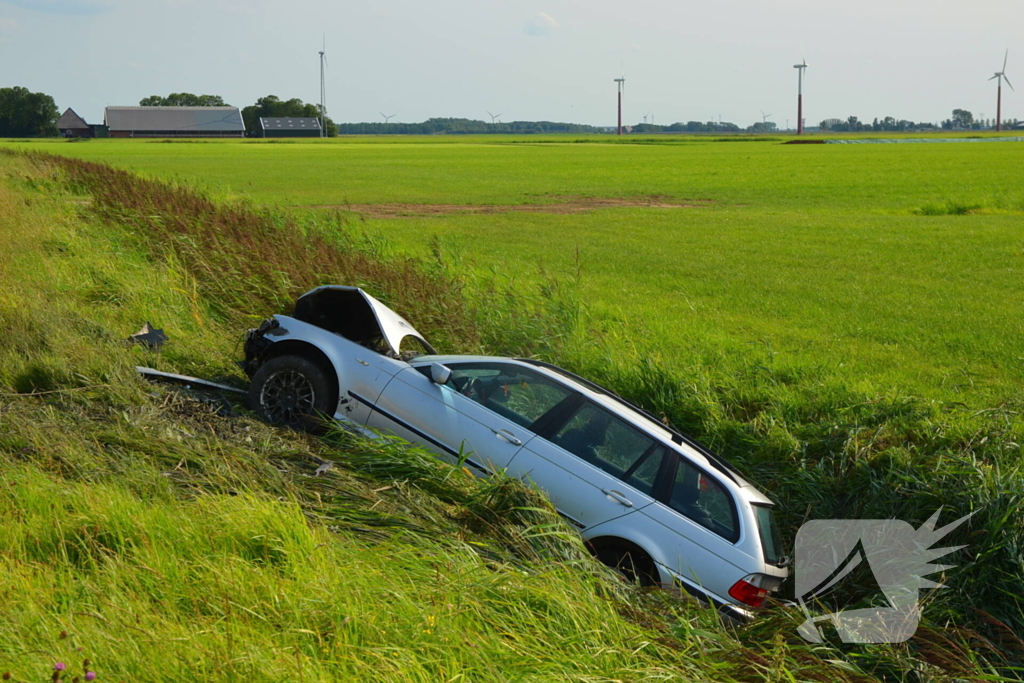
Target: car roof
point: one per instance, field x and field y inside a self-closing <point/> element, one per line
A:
<point x="620" y="406"/>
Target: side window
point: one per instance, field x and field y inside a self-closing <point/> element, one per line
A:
<point x="704" y="500"/>
<point x="618" y="448"/>
<point x="515" y="393"/>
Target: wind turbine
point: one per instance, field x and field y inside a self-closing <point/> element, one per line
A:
<point x="622" y="86"/>
<point x="323" y="89"/>
<point x="645" y="118"/>
<point x="494" y="117"/>
<point x="800" y="96"/>
<point x="764" y="117"/>
<point x="387" y="119"/>
<point x="999" y="98"/>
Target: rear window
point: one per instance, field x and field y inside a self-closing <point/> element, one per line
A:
<point x="771" y="540"/>
<point x="704" y="500"/>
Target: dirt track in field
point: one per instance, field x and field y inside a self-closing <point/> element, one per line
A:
<point x="560" y="205"/>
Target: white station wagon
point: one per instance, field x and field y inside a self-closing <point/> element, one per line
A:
<point x="648" y="500"/>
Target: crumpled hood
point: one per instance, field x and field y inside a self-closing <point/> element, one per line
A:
<point x="354" y="314"/>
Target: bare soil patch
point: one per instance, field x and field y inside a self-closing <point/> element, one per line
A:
<point x="558" y="205"/>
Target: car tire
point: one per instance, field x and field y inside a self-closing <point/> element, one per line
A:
<point x="633" y="566"/>
<point x="291" y="391"/>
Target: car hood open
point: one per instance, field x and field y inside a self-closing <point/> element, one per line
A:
<point x="355" y="315"/>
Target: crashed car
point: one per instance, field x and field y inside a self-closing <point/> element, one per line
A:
<point x="648" y="500"/>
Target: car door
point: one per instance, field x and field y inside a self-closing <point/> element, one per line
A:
<point x="698" y="520"/>
<point x="595" y="466"/>
<point x="486" y="410"/>
<point x="362" y="377"/>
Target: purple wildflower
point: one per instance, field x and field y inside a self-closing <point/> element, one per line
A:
<point x="59" y="666"/>
<point x="90" y="675"/>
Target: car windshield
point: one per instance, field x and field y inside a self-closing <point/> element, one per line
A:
<point x="771" y="540"/>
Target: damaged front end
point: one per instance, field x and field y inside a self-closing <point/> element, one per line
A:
<point x="348" y="312"/>
<point x="256" y="345"/>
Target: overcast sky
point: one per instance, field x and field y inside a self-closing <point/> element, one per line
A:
<point x="531" y="60"/>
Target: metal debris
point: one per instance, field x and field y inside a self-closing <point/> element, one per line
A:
<point x="149" y="337"/>
<point x="189" y="382"/>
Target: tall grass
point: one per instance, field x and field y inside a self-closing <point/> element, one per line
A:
<point x="172" y="537"/>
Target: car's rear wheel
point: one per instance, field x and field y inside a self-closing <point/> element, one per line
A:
<point x="635" y="566"/>
<point x="290" y="391"/>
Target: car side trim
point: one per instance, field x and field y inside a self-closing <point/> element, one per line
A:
<point x="728" y="609"/>
<point x="572" y="520"/>
<point x="426" y="437"/>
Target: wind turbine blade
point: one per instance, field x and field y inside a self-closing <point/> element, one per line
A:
<point x="1005" y="57"/>
<point x="995" y="77"/>
<point x="1007" y="81"/>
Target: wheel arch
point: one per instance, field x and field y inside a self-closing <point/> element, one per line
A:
<point x="312" y="353"/>
<point x="613" y="542"/>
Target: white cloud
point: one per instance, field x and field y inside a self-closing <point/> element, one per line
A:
<point x="540" y="25"/>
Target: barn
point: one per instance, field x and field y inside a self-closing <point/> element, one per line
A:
<point x="289" y="127"/>
<point x="174" y="122"/>
<point x="71" y="125"/>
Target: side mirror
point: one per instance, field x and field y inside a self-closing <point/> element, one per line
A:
<point x="439" y="373"/>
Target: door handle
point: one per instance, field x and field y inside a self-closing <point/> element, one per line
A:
<point x="617" y="497"/>
<point x="508" y="436"/>
<point x="362" y="362"/>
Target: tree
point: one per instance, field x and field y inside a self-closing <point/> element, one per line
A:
<point x="27" y="114"/>
<point x="762" y="127"/>
<point x="183" y="99"/>
<point x="274" y="106"/>
<point x="962" y="118"/>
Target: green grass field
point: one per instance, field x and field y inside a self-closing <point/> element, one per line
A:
<point x="855" y="357"/>
<point x="847" y="260"/>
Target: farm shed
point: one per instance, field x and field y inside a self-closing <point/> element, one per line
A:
<point x="71" y="125"/>
<point x="289" y="127"/>
<point x="174" y="122"/>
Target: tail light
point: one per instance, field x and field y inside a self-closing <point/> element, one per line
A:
<point x="747" y="593"/>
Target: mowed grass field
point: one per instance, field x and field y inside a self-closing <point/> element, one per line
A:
<point x="885" y="268"/>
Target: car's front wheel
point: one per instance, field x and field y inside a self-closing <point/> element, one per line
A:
<point x="290" y="391"/>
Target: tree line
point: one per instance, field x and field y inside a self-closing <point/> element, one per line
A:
<point x="29" y="114"/>
<point x="961" y="119"/>
<point x="455" y="126"/>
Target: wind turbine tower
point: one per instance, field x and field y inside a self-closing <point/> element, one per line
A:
<point x="323" y="90"/>
<point x="999" y="97"/>
<point x="622" y="86"/>
<point x="800" y="96"/>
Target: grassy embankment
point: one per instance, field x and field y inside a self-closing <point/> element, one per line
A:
<point x="163" y="540"/>
<point x="70" y="297"/>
